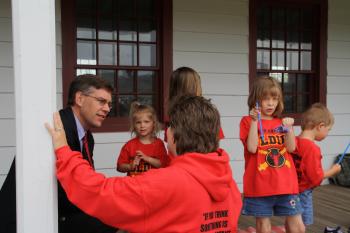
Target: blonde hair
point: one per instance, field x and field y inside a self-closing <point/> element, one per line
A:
<point x="138" y="108"/>
<point x="184" y="81"/>
<point x="266" y="86"/>
<point x="318" y="113"/>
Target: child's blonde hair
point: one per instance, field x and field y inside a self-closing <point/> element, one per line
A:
<point x="184" y="81"/>
<point x="137" y="108"/>
<point x="318" y="113"/>
<point x="266" y="86"/>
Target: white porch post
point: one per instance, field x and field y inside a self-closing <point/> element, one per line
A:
<point x="33" y="24"/>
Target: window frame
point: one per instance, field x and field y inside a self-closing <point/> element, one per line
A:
<point x="69" y="54"/>
<point x="320" y="88"/>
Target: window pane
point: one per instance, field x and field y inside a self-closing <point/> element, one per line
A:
<point x="86" y="28"/>
<point x="146" y="9"/>
<point x="263" y="39"/>
<point x="86" y="53"/>
<point x="107" y="53"/>
<point x="148" y="55"/>
<point x="259" y="74"/>
<point x="278" y="39"/>
<point x="292" y="18"/>
<point x="263" y="59"/>
<point x="307" y="18"/>
<point x="306" y="42"/>
<point x="146" y="99"/>
<point x="292" y="40"/>
<point x="106" y="29"/>
<point x="113" y="111"/>
<point x="263" y="17"/>
<point x="85" y="71"/>
<point x="125" y="81"/>
<point x="289" y="103"/>
<point x="124" y="102"/>
<point x="278" y="18"/>
<point x="289" y="82"/>
<point x="127" y="54"/>
<point x="304" y="81"/>
<point x="107" y="75"/>
<point x="127" y="9"/>
<point x="85" y="6"/>
<point x="305" y="60"/>
<point x="277" y="76"/>
<point x="145" y="80"/>
<point x="303" y="103"/>
<point x="127" y="30"/>
<point x="147" y="31"/>
<point x="277" y="60"/>
<point x="292" y="60"/>
<point x="105" y="7"/>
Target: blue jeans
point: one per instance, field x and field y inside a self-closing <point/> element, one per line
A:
<point x="306" y="204"/>
<point x="278" y="205"/>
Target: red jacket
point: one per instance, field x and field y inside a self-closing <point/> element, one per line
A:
<point x="196" y="193"/>
<point x="307" y="158"/>
<point x="270" y="171"/>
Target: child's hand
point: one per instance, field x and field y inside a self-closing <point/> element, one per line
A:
<point x="142" y="156"/>
<point x="135" y="162"/>
<point x="336" y="168"/>
<point x="288" y="122"/>
<point x="140" y="153"/>
<point x="254" y="113"/>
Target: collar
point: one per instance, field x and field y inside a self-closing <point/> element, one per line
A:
<point x="81" y="131"/>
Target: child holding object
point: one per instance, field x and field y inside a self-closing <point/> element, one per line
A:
<point x="145" y="151"/>
<point x="270" y="183"/>
<point x="195" y="193"/>
<point x="316" y="123"/>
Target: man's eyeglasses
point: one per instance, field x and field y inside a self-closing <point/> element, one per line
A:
<point x="101" y="101"/>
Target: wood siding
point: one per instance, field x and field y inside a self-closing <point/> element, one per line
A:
<point x="7" y="100"/>
<point x="338" y="79"/>
<point x="212" y="37"/>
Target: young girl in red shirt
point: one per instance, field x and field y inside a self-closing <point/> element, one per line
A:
<point x="145" y="151"/>
<point x="270" y="183"/>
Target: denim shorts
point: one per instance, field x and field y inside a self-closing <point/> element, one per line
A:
<point x="306" y="204"/>
<point x="278" y="205"/>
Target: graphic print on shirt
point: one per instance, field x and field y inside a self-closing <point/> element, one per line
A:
<point x="142" y="167"/>
<point x="272" y="150"/>
<point x="216" y="221"/>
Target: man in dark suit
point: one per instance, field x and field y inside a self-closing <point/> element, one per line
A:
<point x="89" y="102"/>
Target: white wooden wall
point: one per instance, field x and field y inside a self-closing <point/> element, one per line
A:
<point x="211" y="37"/>
<point x="338" y="80"/>
<point x="7" y="101"/>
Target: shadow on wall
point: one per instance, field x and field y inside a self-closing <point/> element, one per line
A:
<point x="8" y="202"/>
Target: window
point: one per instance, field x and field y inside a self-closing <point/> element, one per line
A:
<point x="127" y="42"/>
<point x="288" y="42"/>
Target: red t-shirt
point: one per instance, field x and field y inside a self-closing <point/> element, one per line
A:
<point x="270" y="171"/>
<point x="156" y="149"/>
<point x="307" y="158"/>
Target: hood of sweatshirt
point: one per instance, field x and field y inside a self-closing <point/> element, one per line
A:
<point x="211" y="170"/>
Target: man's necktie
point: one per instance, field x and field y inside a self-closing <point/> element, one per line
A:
<point x="87" y="151"/>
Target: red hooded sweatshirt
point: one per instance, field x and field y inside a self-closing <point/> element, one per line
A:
<point x="196" y="193"/>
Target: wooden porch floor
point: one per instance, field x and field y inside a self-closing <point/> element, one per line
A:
<point x="331" y="208"/>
